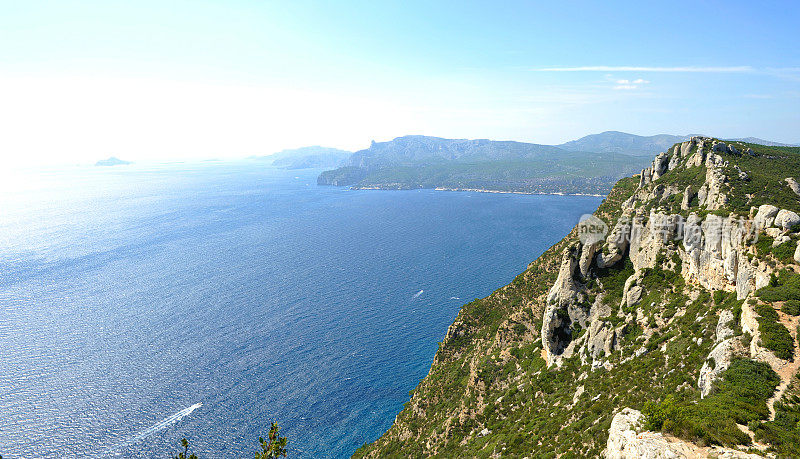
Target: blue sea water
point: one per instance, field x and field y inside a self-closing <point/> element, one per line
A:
<point x="143" y="304"/>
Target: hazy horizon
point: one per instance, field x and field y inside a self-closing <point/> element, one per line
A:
<point x="85" y="80"/>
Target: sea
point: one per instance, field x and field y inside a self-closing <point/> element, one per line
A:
<point x="147" y="303"/>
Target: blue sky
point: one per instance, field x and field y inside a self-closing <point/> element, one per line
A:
<point x="80" y="80"/>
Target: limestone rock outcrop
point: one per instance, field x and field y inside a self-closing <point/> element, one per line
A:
<point x="793" y="185"/>
<point x="688" y="194"/>
<point x="626" y="440"/>
<point x="719" y="360"/>
<point x="786" y="219"/>
<point x="765" y="216"/>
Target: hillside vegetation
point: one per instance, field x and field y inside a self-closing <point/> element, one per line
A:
<point x="653" y="330"/>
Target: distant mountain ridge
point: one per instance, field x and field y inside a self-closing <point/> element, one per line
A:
<point x="768" y="143"/>
<point x="416" y="148"/>
<point x="417" y="161"/>
<point x="308" y="157"/>
<point x="622" y="142"/>
<point x="589" y="165"/>
<point x="638" y="145"/>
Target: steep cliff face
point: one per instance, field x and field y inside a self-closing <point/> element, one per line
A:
<point x="687" y="310"/>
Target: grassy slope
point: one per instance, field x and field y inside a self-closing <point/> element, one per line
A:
<point x="489" y="373"/>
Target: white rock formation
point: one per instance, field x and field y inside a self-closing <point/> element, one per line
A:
<point x="786" y="219"/>
<point x="793" y="185"/>
<point x="627" y="441"/>
<point x="721" y="355"/>
<point x="765" y="216"/>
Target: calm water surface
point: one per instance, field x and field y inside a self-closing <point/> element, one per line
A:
<point x="143" y="304"/>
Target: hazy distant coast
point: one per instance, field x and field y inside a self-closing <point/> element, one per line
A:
<point x="481" y="190"/>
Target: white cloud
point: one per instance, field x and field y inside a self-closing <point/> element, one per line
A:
<point x="630" y="84"/>
<point x="605" y="68"/>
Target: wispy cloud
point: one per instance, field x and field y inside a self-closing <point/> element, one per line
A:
<point x="605" y="68"/>
<point x="630" y="84"/>
<point x="785" y="73"/>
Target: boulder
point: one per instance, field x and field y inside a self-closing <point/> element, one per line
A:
<point x="634" y="295"/>
<point x="786" y="219"/>
<point x="765" y="216"/>
<point x="793" y="185"/>
<point x="797" y="254"/>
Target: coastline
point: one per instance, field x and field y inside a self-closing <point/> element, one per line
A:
<point x="482" y="190"/>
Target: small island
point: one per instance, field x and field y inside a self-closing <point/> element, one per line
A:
<point x="112" y="161"/>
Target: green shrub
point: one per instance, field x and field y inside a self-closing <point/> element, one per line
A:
<point x="785" y="286"/>
<point x="774" y="335"/>
<point x="764" y="244"/>
<point x="783" y="434"/>
<point x="656" y="414"/>
<point x="784" y="252"/>
<point x="719" y="296"/>
<point x="613" y="280"/>
<point x="791" y="307"/>
<point x="738" y="398"/>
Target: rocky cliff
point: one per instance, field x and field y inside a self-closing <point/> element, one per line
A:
<point x="678" y="300"/>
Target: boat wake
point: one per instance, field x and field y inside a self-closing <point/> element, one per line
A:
<point x="165" y="422"/>
<point x="161" y="425"/>
<point x="416" y="295"/>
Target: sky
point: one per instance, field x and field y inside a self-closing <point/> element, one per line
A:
<point x="163" y="80"/>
